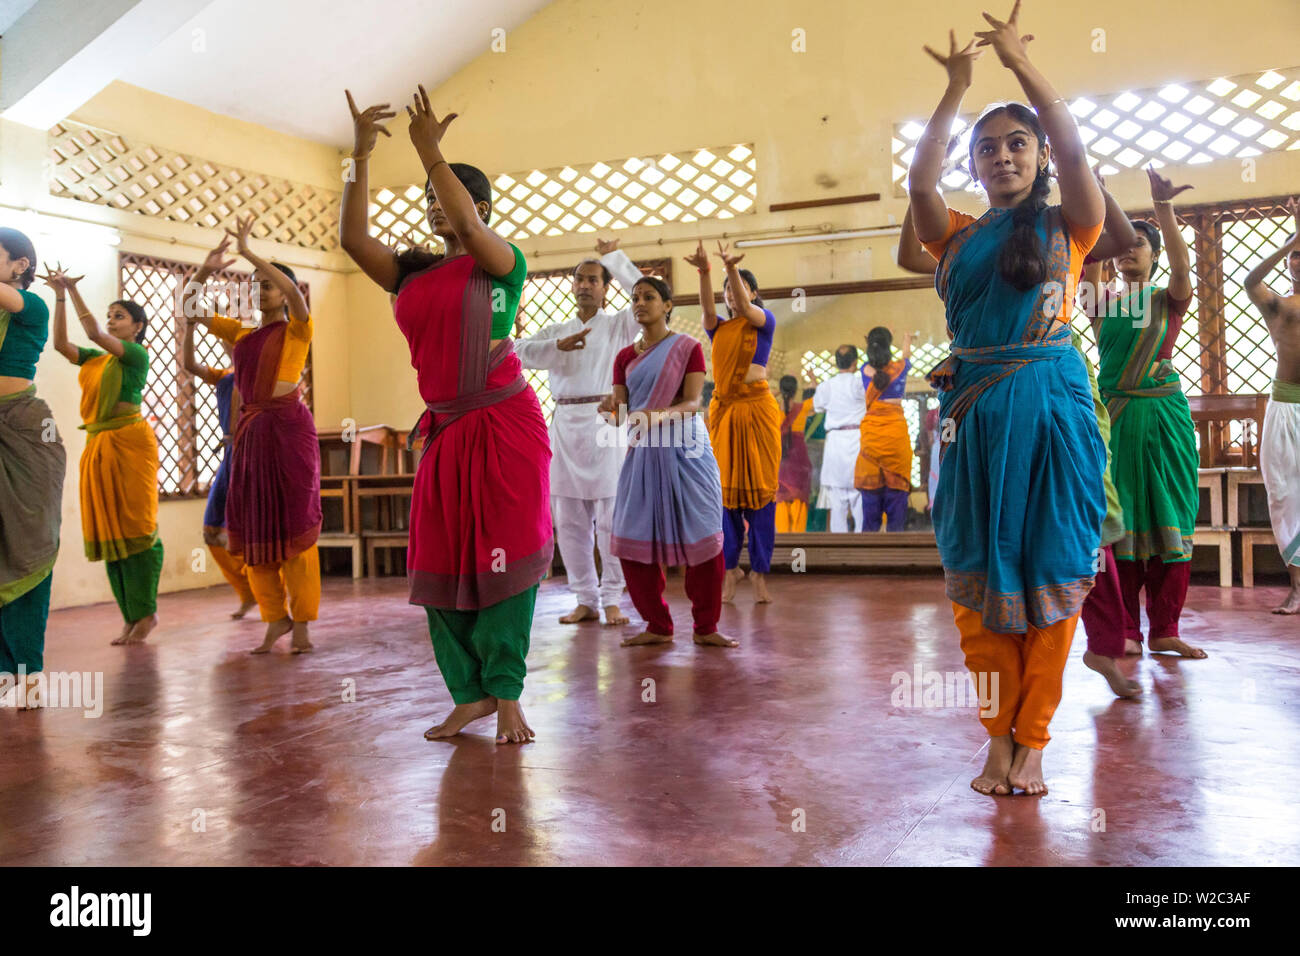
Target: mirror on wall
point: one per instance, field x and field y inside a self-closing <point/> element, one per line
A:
<point x="841" y="489"/>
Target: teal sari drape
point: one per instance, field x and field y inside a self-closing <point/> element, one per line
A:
<point x="1020" y="500"/>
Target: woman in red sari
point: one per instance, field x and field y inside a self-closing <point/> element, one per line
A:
<point x="481" y="536"/>
<point x="273" y="512"/>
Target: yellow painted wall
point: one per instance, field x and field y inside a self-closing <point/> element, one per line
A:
<point x="145" y="117"/>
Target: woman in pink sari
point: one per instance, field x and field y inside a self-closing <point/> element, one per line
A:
<point x="481" y="536"/>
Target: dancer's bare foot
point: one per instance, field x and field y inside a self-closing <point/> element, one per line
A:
<point x="729" y="579"/>
<point x="761" y="593"/>
<point x="1182" y="648"/>
<point x="715" y="640"/>
<point x="511" y="726"/>
<point x="243" y="609"/>
<point x="1292" y="603"/>
<point x="126" y="631"/>
<point x="274" y="631"/>
<point x="1027" y="771"/>
<point x="300" y="643"/>
<point x="647" y="637"/>
<point x="579" y="614"/>
<point x="139" y="630"/>
<point x="1132" y="648"/>
<point x="614" y="615"/>
<point x="1107" y="668"/>
<point x="992" y="780"/>
<point x="460" y="716"/>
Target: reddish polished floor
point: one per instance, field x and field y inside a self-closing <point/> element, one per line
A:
<point x="205" y="755"/>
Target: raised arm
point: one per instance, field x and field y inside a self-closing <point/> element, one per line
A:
<point x="906" y="353"/>
<point x="192" y="304"/>
<point x="1081" y="199"/>
<point x="1265" y="299"/>
<point x="1117" y="233"/>
<point x="286" y="286"/>
<point x="911" y="255"/>
<point x="490" y="251"/>
<point x="1180" y="260"/>
<point x="189" y="361"/>
<point x="619" y="264"/>
<point x="108" y="343"/>
<point x="708" y="310"/>
<point x="56" y="279"/>
<point x="373" y="257"/>
<point x="929" y="211"/>
<point x="740" y="289"/>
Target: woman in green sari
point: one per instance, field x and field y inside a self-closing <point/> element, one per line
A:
<point x="1152" y="440"/>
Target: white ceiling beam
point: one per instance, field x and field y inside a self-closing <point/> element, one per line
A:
<point x="61" y="53"/>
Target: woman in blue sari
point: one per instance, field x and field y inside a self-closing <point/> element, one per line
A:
<point x="1020" y="502"/>
<point x="668" y="509"/>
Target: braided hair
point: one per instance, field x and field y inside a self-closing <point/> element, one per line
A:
<point x="1023" y="260"/>
<point x="879" y="344"/>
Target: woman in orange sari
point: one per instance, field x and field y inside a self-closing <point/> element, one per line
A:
<point x="744" y="420"/>
<point x="119" y="467"/>
<point x="884" y="470"/>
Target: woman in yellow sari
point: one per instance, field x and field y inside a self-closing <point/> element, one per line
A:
<point x="884" y="470"/>
<point x="744" y="420"/>
<point x="119" y="467"/>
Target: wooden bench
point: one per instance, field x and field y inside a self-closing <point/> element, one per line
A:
<point x="1236" y="478"/>
<point x="348" y="535"/>
<point x="822" y="550"/>
<point x="1249" y="538"/>
<point x="1220" y="538"/>
<point x="1211" y="415"/>
<point x="383" y="539"/>
<point x="1212" y="480"/>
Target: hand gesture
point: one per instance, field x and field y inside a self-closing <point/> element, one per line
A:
<point x="243" y="228"/>
<point x="960" y="64"/>
<point x="725" y="255"/>
<point x="606" y="406"/>
<point x="606" y="246"/>
<point x="573" y="342"/>
<point x="366" y="126"/>
<point x="1162" y="190"/>
<point x="216" y="260"/>
<point x="426" y="129"/>
<point x="698" y="258"/>
<point x="53" y="278"/>
<point x="1005" y="38"/>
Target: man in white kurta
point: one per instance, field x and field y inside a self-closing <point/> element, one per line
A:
<point x="586" y="453"/>
<point x="843" y="397"/>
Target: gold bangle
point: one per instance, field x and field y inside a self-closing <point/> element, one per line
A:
<point x="428" y="172"/>
<point x="1059" y="99"/>
<point x="1163" y="202"/>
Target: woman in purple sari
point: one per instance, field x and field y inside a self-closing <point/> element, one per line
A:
<point x="668" y="510"/>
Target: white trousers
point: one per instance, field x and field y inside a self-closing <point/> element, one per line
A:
<point x="580" y="524"/>
<point x="843" y="502"/>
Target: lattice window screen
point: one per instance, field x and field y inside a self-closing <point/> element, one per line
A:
<point x="548" y="298"/>
<point x="714" y="183"/>
<point x="101" y="167"/>
<point x="1239" y="116"/>
<point x="181" y="409"/>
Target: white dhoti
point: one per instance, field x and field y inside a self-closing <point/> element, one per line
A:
<point x="586" y="452"/>
<point x="838" y="492"/>
<point x="580" y="523"/>
<point x="1279" y="463"/>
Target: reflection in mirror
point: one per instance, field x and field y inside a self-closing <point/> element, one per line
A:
<point x="857" y="441"/>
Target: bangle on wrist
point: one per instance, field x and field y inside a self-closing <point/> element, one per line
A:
<point x="428" y="171"/>
<point x="1163" y="202"/>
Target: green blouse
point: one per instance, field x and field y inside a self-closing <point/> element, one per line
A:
<point x="135" y="369"/>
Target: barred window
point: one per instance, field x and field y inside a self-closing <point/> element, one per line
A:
<point x="1233" y="117"/>
<point x="714" y="183"/>
<point x="181" y="409"/>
